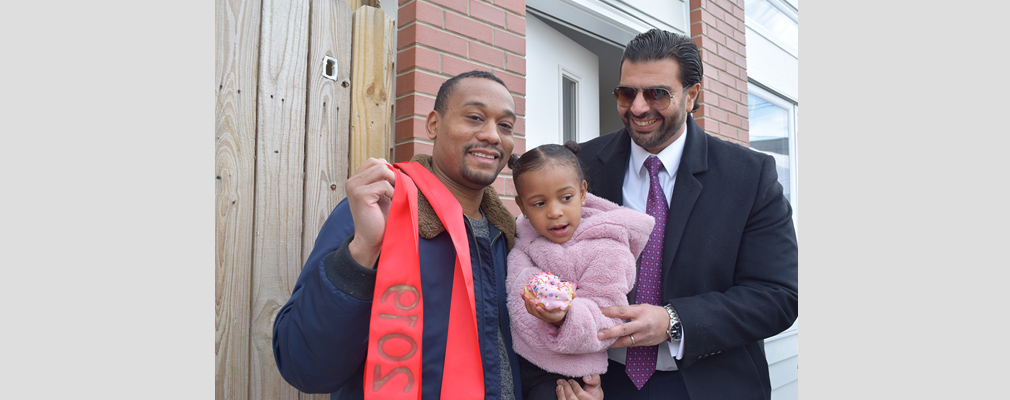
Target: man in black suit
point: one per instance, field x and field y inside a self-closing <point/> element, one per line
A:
<point x="726" y="257"/>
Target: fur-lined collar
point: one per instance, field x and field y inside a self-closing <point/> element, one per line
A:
<point x="496" y="213"/>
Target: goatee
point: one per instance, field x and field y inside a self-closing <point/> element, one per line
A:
<point x="477" y="176"/>
<point x="664" y="134"/>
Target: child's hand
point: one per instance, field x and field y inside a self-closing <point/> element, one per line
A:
<point x="556" y="317"/>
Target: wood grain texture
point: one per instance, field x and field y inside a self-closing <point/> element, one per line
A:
<point x="371" y="85"/>
<point x="354" y="4"/>
<point x="282" y="146"/>
<point x="237" y="52"/>
<point x="328" y="130"/>
<point x="280" y="158"/>
<point x="328" y="133"/>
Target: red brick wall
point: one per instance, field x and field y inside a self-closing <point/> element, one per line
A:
<point x="437" y="39"/>
<point x="717" y="27"/>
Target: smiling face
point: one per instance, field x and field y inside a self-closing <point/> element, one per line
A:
<point x="473" y="137"/>
<point x="551" y="198"/>
<point x="651" y="128"/>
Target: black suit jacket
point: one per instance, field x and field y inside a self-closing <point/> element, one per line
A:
<point x="729" y="256"/>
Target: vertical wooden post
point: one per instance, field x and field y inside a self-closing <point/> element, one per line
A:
<point x="329" y="110"/>
<point x="280" y="148"/>
<point x="372" y="84"/>
<point x="237" y="55"/>
<point x="328" y="122"/>
<point x="355" y="4"/>
<point x="282" y="138"/>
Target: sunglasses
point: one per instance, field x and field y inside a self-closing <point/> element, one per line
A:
<point x="658" y="98"/>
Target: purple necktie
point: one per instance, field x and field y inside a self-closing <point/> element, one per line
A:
<point x="641" y="361"/>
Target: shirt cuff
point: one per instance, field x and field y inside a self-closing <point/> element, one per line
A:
<point x="677" y="347"/>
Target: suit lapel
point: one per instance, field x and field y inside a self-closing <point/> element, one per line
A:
<point x="610" y="179"/>
<point x="685" y="191"/>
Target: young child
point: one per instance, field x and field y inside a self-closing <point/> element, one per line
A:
<point x="583" y="239"/>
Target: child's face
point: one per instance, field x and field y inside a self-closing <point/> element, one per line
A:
<point x="551" y="199"/>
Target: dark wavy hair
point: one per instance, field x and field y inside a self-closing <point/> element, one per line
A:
<point x="656" y="45"/>
<point x="444" y="91"/>
<point x="539" y="156"/>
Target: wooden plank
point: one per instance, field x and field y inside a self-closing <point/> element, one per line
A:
<point x="236" y="56"/>
<point x="329" y="111"/>
<point x="371" y="85"/>
<point x="280" y="148"/>
<point x="328" y="130"/>
<point x="355" y="4"/>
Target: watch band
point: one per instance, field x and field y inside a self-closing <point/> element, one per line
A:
<point x="675" y="330"/>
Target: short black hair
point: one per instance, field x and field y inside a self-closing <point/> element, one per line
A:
<point x="656" y="44"/>
<point x="444" y="91"/>
<point x="539" y="156"/>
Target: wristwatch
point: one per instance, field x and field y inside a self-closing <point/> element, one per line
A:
<point x="675" y="329"/>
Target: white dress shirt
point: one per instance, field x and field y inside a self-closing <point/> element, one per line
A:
<point x="636" y="194"/>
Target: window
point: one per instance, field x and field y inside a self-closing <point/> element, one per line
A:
<point x="776" y="21"/>
<point x="569" y="109"/>
<point x="773" y="131"/>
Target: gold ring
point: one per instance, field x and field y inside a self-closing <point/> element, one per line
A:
<point x="632" y="339"/>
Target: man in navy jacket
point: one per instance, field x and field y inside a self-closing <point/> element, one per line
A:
<point x="728" y="275"/>
<point x="320" y="336"/>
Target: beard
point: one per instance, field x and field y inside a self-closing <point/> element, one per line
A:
<point x="666" y="130"/>
<point x="479" y="177"/>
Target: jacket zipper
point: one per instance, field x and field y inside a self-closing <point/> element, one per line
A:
<point x="477" y="247"/>
<point x="501" y="328"/>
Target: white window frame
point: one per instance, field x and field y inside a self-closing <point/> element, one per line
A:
<point x="564" y="73"/>
<point x="793" y="110"/>
<point x="790" y="12"/>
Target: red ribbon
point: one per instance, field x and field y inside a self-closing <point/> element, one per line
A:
<point x="393" y="363"/>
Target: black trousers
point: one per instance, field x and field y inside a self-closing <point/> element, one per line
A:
<point x="539" y="384"/>
<point x="667" y="385"/>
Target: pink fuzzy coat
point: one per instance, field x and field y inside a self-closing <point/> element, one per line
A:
<point x="600" y="258"/>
